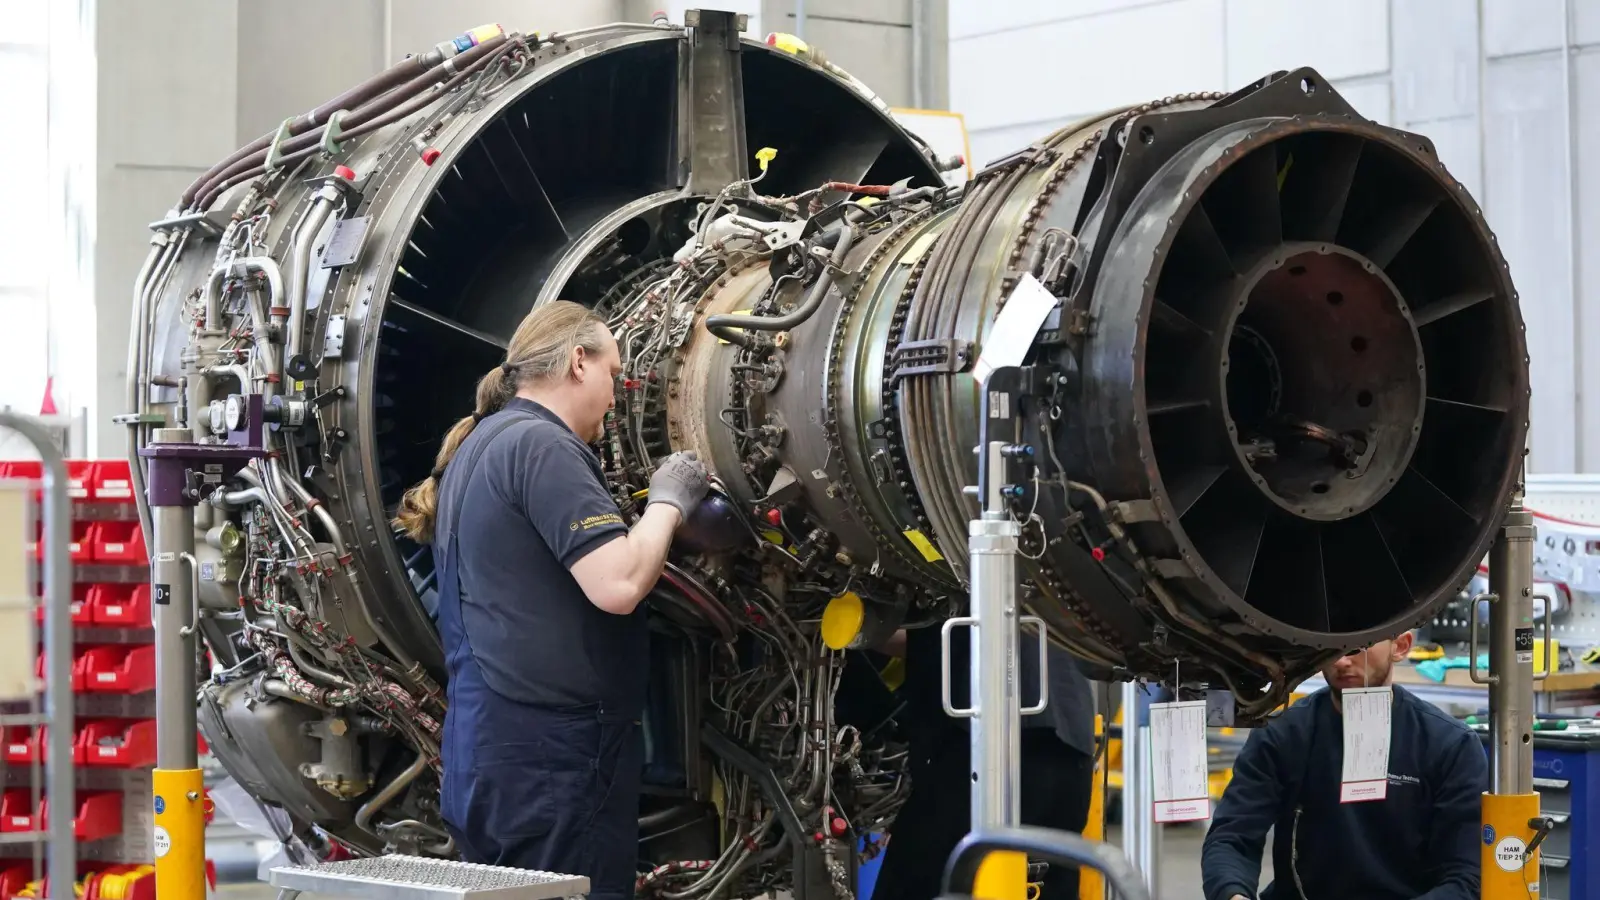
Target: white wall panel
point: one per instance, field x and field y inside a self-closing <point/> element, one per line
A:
<point x="1435" y="64"/>
<point x="1370" y="98"/>
<point x="1456" y="141"/>
<point x="163" y="114"/>
<point x="1526" y="201"/>
<point x="1522" y="26"/>
<point x="1038" y="73"/>
<point x="1586" y="83"/>
<point x="419" y="24"/>
<point x="1340" y="40"/>
<point x="974" y="17"/>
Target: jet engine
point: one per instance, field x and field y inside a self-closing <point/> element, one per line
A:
<point x="1274" y="410"/>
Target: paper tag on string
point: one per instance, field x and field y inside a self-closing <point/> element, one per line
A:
<point x="1366" y="743"/>
<point x="1179" y="768"/>
<point x="1015" y="328"/>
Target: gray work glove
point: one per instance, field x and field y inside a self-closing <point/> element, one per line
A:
<point x="680" y="480"/>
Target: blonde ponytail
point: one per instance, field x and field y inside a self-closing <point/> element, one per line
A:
<point x="540" y="349"/>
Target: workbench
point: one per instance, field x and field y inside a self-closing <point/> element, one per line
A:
<point x="1564" y="691"/>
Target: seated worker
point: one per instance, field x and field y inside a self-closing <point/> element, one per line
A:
<point x="1058" y="751"/>
<point x="1418" y="843"/>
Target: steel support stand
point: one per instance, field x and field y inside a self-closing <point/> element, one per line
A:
<point x="61" y="864"/>
<point x="995" y="709"/>
<point x="1512" y="825"/>
<point x="1141" y="837"/>
<point x="182" y="474"/>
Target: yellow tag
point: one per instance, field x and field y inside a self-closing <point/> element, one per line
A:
<point x="923" y="545"/>
<point x="894" y="674"/>
<point x="773" y="537"/>
<point x="764" y="156"/>
<point x="918" y="247"/>
<point x="738" y="312"/>
<point x="299" y="386"/>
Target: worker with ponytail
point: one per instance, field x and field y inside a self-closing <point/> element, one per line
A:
<point x="540" y="584"/>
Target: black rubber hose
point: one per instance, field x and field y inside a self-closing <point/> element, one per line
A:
<point x="730" y="328"/>
<point x="746" y="762"/>
<point x="375" y="86"/>
<point x="390" y="117"/>
<point x="1058" y="848"/>
<point x="291" y="149"/>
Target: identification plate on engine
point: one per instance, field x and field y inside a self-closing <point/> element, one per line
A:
<point x="344" y="247"/>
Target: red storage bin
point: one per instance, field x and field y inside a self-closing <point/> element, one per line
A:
<point x="25" y="471"/>
<point x="118" y="542"/>
<point x="82" y="547"/>
<point x="111" y="481"/>
<point x="98" y="815"/>
<point x="119" y="669"/>
<point x="14" y="877"/>
<point x="77" y="670"/>
<point x="16" y="810"/>
<point x="118" y="743"/>
<point x="80" y="477"/>
<point x="82" y="613"/>
<point x="22" y="743"/>
<point x="120" y="605"/>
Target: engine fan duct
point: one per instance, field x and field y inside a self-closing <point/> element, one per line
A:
<point x="1277" y="410"/>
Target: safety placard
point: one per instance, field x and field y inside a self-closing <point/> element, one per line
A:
<point x="1178" y="761"/>
<point x="1366" y="743"/>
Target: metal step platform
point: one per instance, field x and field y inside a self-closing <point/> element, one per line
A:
<point x="398" y="877"/>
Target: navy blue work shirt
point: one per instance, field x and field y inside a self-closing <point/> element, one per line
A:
<point x="534" y="505"/>
<point x="1421" y="842"/>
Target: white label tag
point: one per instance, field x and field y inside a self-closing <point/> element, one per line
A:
<point x="1015" y="328"/>
<point x="107" y="752"/>
<point x="1366" y="743"/>
<point x="1178" y="761"/>
<point x="114" y="548"/>
<point x="1510" y="854"/>
<point x="105" y="677"/>
<point x="163" y="842"/>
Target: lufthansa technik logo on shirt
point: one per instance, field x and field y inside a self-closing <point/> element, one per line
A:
<point x="593" y="522"/>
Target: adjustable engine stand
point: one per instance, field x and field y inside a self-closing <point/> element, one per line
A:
<point x="995" y="705"/>
<point x="1513" y="827"/>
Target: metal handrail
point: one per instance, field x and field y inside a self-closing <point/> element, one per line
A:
<point x="1058" y="848"/>
<point x="61" y="849"/>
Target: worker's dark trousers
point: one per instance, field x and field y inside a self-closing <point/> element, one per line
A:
<point x="1056" y="784"/>
<point x="561" y="795"/>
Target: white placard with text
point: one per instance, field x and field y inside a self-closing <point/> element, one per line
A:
<point x="1179" y="768"/>
<point x="1366" y="743"/>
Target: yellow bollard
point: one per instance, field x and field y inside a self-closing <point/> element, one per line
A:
<point x="1091" y="884"/>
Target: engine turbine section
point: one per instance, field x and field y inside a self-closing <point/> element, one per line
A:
<point x="1276" y="407"/>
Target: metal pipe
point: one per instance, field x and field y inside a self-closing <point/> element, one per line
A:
<point x="730" y="327"/>
<point x="159" y="246"/>
<point x="1133" y="763"/>
<point x="389" y="791"/>
<point x="1511" y="692"/>
<point x="1149" y="861"/>
<point x="300" y="274"/>
<point x="919" y="54"/>
<point x="997" y="729"/>
<point x="61" y="863"/>
<point x="174" y="628"/>
<point x="800" y="19"/>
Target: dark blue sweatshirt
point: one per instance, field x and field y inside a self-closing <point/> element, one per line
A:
<point x="1419" y="843"/>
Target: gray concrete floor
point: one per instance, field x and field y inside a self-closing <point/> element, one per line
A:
<point x="1179" y="876"/>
